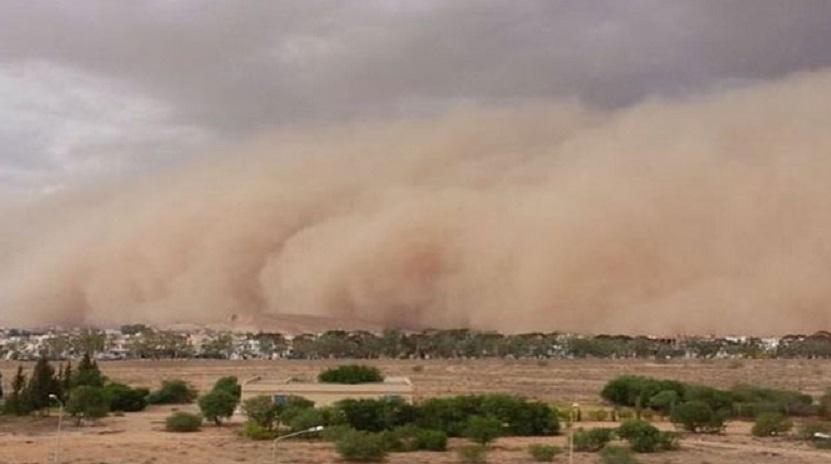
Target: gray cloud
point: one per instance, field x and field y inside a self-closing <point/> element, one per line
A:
<point x="235" y="68"/>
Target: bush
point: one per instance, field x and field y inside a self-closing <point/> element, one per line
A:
<point x="125" y="398"/>
<point x="634" y="390"/>
<point x="359" y="446"/>
<point x="260" y="410"/>
<point x="520" y="416"/>
<point x="592" y="440"/>
<point x="217" y="405"/>
<point x="544" y="453"/>
<point x="335" y="432"/>
<point x="87" y="402"/>
<point x="808" y="429"/>
<point x="255" y="431"/>
<point x="472" y="454"/>
<point x="229" y="385"/>
<point x="664" y="401"/>
<point x="431" y="440"/>
<point x="173" y="392"/>
<point x="305" y="419"/>
<point x="351" y="374"/>
<point x="669" y="441"/>
<point x="183" y="422"/>
<point x="617" y="455"/>
<point x="642" y="436"/>
<point x="771" y="424"/>
<point x="483" y="430"/>
<point x="697" y="417"/>
<point x="377" y="415"/>
<point x="598" y="415"/>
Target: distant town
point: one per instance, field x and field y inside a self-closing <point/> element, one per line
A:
<point x="140" y="341"/>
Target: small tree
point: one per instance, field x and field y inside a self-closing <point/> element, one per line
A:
<point x="217" y="405"/>
<point x="125" y="398"/>
<point x="42" y="383"/>
<point x="173" y="392"/>
<point x="483" y="430"/>
<point x="697" y="417"/>
<point x="87" y="374"/>
<point x="87" y="402"/>
<point x="351" y="374"/>
<point x="260" y="410"/>
<point x="769" y="424"/>
<point x="16" y="403"/>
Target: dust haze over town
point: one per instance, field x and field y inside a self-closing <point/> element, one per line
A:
<point x="419" y="165"/>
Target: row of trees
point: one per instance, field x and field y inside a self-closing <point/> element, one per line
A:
<point x="146" y="342"/>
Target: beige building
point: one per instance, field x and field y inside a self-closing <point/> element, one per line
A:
<point x="325" y="394"/>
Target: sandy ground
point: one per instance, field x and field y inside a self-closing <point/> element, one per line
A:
<point x="139" y="438"/>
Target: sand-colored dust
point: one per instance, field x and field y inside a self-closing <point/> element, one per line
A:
<point x="709" y="214"/>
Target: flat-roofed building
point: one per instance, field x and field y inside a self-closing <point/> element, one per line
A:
<point x="325" y="394"/>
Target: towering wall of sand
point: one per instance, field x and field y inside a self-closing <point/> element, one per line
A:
<point x="711" y="214"/>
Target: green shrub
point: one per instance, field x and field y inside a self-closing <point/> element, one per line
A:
<point x="229" y="385"/>
<point x="697" y="417"/>
<point x="183" y="422"/>
<point x="642" y="436"/>
<point x="173" y="392"/>
<point x="520" y="416"/>
<point x="544" y="453"/>
<point x="669" y="441"/>
<point x="664" y="401"/>
<point x="592" y="440"/>
<point x="431" y="440"/>
<point x="351" y="374"/>
<point x="377" y="415"/>
<point x="771" y="424"/>
<point x="359" y="446"/>
<point x="87" y="402"/>
<point x="808" y="429"/>
<point x="255" y="431"/>
<point x="634" y="390"/>
<point x="125" y="398"/>
<point x="305" y="419"/>
<point x="217" y="405"/>
<point x="749" y="401"/>
<point x="334" y="433"/>
<point x="617" y="455"/>
<point x="260" y="410"/>
<point x="483" y="430"/>
<point x="472" y="454"/>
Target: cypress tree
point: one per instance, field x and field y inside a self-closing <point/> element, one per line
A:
<point x="42" y="383"/>
<point x="16" y="402"/>
<point x="87" y="374"/>
<point x="66" y="380"/>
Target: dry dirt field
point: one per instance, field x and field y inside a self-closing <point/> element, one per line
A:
<point x="138" y="438"/>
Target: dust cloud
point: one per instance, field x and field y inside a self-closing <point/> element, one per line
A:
<point x="709" y="214"/>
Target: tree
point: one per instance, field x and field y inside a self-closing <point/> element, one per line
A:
<point x="260" y="410"/>
<point x="42" y="383"/>
<point x="125" y="398"/>
<point x="173" y="391"/>
<point x="697" y="416"/>
<point x="483" y="430"/>
<point x="66" y="381"/>
<point x="229" y="385"/>
<point x="217" y="405"/>
<point x="16" y="403"/>
<point x="86" y="402"/>
<point x="87" y="374"/>
<point x="641" y="435"/>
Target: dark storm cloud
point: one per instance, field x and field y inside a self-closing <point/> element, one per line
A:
<point x="229" y="69"/>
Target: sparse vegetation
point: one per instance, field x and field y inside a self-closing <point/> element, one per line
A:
<point x="544" y="453"/>
<point x="617" y="455"/>
<point x="771" y="424"/>
<point x="472" y="454"/>
<point x="359" y="446"/>
<point x="182" y="422"/>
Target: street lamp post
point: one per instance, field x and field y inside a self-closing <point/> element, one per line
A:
<point x="60" y="421"/>
<point x="274" y="443"/>
<point x="571" y="416"/>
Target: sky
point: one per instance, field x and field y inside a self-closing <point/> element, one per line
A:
<point x="101" y="89"/>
